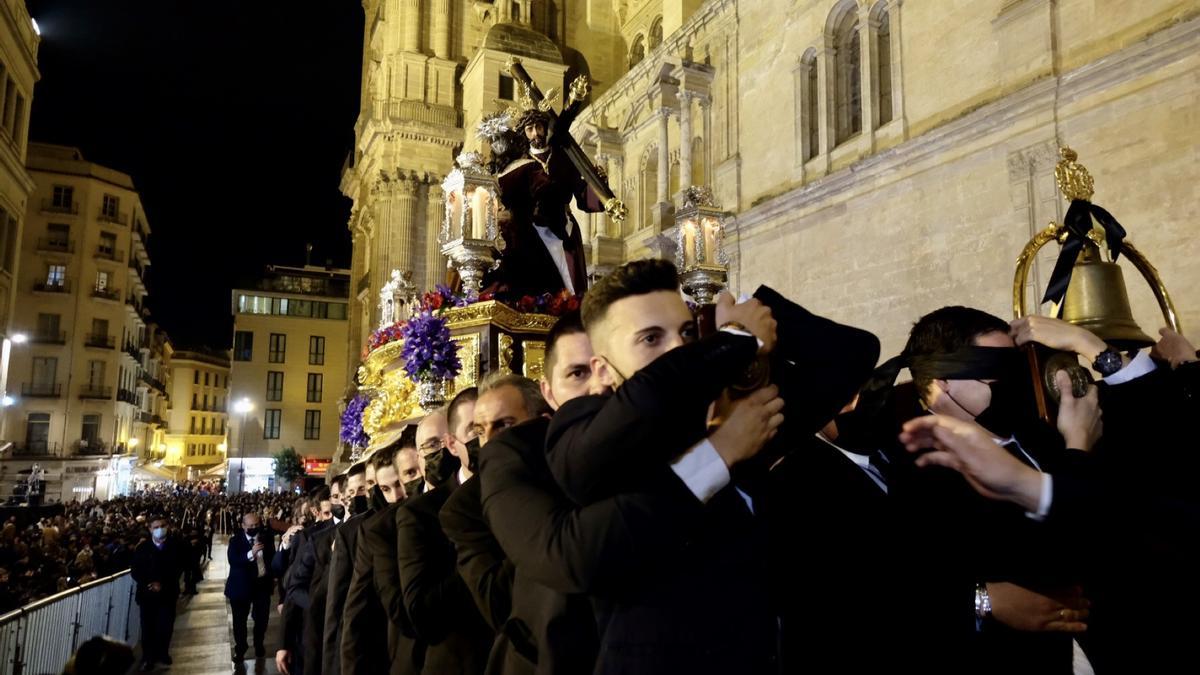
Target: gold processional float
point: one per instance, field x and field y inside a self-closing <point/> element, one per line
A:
<point x="1086" y="288"/>
<point x="491" y="335"/>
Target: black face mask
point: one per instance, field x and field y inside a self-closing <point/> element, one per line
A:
<point x="252" y="531"/>
<point x="473" y="454"/>
<point x="413" y="487"/>
<point x="338" y="511"/>
<point x="378" y="501"/>
<point x="441" y="466"/>
<point x="359" y="504"/>
<point x="1012" y="407"/>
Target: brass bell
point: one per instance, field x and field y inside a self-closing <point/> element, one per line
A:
<point x="1096" y="299"/>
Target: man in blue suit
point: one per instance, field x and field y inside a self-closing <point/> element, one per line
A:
<point x="249" y="584"/>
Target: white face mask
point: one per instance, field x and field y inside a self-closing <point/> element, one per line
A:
<point x="159" y="533"/>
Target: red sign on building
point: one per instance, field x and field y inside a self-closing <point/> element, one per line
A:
<point x="314" y="466"/>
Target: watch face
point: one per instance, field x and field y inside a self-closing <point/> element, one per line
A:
<point x="1108" y="362"/>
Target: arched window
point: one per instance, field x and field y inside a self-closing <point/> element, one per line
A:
<point x="656" y="34"/>
<point x="807" y="99"/>
<point x="637" y="52"/>
<point x="847" y="74"/>
<point x="883" y="63"/>
<point x="649" y="185"/>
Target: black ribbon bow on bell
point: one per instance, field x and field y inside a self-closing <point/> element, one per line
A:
<point x="1079" y="223"/>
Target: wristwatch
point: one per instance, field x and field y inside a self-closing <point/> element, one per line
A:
<point x="1108" y="362"/>
<point x="983" y="602"/>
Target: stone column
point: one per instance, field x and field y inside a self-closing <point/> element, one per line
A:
<point x="441" y="29"/>
<point x="897" y="68"/>
<point x="403" y="226"/>
<point x="664" y="157"/>
<point x="412" y="26"/>
<point x="685" y="139"/>
<point x="868" y="74"/>
<point x="827" y="115"/>
<point x="435" y="262"/>
<point x="706" y="119"/>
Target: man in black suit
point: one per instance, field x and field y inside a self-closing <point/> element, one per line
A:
<point x="321" y="545"/>
<point x="708" y="609"/>
<point x="249" y="584"/>
<point x="372" y="632"/>
<point x="157" y="564"/>
<point x="439" y="604"/>
<point x="341" y="566"/>
<point x="544" y="247"/>
<point x="505" y="400"/>
<point x="562" y="551"/>
<point x="296" y="583"/>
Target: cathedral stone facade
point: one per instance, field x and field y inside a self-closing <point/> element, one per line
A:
<point x="878" y="158"/>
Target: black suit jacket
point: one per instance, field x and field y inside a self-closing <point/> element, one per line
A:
<point x="318" y="590"/>
<point x="341" y="568"/>
<point x="563" y="551"/>
<point x="710" y="610"/>
<point x="151" y="565"/>
<point x="367" y="636"/>
<point x="481" y="562"/>
<point x="443" y="614"/>
<point x="244" y="583"/>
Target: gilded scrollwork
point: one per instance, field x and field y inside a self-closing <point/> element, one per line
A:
<point x="535" y="358"/>
<point x="504" y="356"/>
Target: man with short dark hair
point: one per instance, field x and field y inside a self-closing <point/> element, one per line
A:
<point x="341" y="564"/>
<point x="318" y="589"/>
<point x="156" y="568"/>
<point x="249" y="584"/>
<point x="367" y="638"/>
<point x="709" y="610"/>
<point x="296" y="583"/>
<point x="438" y="602"/>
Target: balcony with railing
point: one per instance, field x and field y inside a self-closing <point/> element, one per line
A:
<point x="41" y="389"/>
<point x="108" y="253"/>
<point x="37" y="449"/>
<point x="113" y="294"/>
<point x="127" y="396"/>
<point x="61" y="286"/>
<point x="95" y="391"/>
<point x="144" y="417"/>
<point x="110" y="216"/>
<point x="53" y="206"/>
<point x="100" y="340"/>
<point x="132" y="350"/>
<point x="55" y="245"/>
<point x="49" y="338"/>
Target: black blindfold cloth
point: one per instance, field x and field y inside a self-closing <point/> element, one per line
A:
<point x="966" y="363"/>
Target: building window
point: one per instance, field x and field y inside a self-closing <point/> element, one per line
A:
<point x="315" y="383"/>
<point x="206" y="379"/>
<point x="808" y="122"/>
<point x="64" y="197"/>
<point x="48" y="327"/>
<point x="194" y="400"/>
<point x="507" y="88"/>
<point x="883" y="62"/>
<point x="203" y="426"/>
<point x="58" y="237"/>
<point x="637" y="52"/>
<point x="274" y="385"/>
<point x="222" y="431"/>
<point x="271" y="423"/>
<point x="191" y="449"/>
<point x="204" y="400"/>
<point x="108" y="244"/>
<point x="277" y="349"/>
<point x="37" y="433"/>
<point x="95" y="373"/>
<point x="193" y="429"/>
<point x="312" y="425"/>
<point x="316" y="350"/>
<point x="195" y="377"/>
<point x="45" y="373"/>
<point x="226" y="382"/>
<point x="110" y="206"/>
<point x="847" y="72"/>
<point x="102" y="281"/>
<point x="89" y="434"/>
<point x="656" y="34"/>
<point x="56" y="275"/>
<point x="243" y="347"/>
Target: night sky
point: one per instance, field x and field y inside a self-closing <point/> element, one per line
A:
<point x="233" y="117"/>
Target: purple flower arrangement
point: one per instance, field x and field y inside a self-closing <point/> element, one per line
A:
<point x="352" y="426"/>
<point x="428" y="350"/>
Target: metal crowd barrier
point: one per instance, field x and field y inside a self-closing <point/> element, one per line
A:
<point x="41" y="636"/>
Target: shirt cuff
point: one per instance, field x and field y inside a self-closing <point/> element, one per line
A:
<point x="1138" y="366"/>
<point x="738" y="331"/>
<point x="249" y="555"/>
<point x="702" y="470"/>
<point x="1044" y="501"/>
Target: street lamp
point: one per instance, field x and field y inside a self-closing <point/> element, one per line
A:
<point x="242" y="407"/>
<point x="19" y="338"/>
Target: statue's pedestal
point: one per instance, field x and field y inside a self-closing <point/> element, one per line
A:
<point x="491" y="337"/>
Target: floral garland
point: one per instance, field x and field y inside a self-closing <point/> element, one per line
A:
<point x="428" y="350"/>
<point x="352" y="423"/>
<point x="552" y="304"/>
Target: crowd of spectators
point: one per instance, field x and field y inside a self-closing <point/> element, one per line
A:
<point x="87" y="540"/>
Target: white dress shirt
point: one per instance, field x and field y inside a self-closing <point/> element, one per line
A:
<point x="555" y="246"/>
